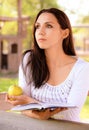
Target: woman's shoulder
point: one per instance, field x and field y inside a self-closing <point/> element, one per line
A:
<point x="27" y="52"/>
<point x="82" y="65"/>
<point x="81" y="62"/>
<point x="26" y="56"/>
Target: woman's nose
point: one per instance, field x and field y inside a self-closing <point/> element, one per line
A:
<point x="41" y="31"/>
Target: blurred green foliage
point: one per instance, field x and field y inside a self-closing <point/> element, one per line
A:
<point x="30" y="8"/>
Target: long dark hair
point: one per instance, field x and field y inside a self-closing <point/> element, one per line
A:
<point x="37" y="59"/>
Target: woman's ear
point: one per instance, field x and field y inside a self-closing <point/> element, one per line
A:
<point x="65" y="33"/>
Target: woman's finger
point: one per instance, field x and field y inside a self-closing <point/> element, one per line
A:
<point x="57" y="110"/>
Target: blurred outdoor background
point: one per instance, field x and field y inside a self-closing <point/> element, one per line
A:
<point x="16" y="25"/>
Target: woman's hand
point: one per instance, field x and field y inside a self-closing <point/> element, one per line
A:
<point x="20" y="100"/>
<point x="43" y="115"/>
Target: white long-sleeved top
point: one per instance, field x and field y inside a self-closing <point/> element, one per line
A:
<point x="73" y="90"/>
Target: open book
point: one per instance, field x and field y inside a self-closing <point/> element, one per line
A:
<point x="42" y="106"/>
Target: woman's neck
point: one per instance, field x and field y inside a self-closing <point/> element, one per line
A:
<point x="56" y="58"/>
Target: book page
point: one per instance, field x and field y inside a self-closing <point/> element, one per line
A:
<point x="42" y="106"/>
<point x="34" y="106"/>
<point x="57" y="105"/>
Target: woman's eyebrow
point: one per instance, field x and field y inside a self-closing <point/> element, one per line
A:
<point x="48" y="22"/>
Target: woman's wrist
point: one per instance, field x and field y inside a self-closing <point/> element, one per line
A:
<point x="32" y="100"/>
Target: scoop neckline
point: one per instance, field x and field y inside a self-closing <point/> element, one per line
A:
<point x="72" y="70"/>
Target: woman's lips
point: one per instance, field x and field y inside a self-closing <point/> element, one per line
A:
<point x="41" y="39"/>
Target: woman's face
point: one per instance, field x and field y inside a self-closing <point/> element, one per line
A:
<point x="48" y="32"/>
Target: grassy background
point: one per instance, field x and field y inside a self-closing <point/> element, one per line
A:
<point x="6" y="82"/>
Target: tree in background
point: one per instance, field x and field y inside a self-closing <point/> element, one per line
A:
<point x="29" y="8"/>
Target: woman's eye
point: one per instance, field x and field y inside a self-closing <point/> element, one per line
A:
<point x="49" y="26"/>
<point x="37" y="26"/>
<point x="46" y="26"/>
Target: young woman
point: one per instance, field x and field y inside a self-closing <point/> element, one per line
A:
<point x="51" y="72"/>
